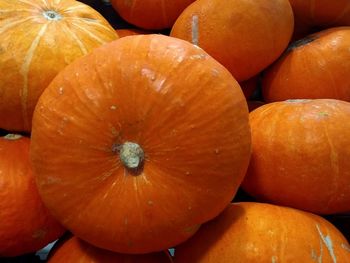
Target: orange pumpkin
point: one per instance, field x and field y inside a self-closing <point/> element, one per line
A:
<point x="320" y="14"/>
<point x="159" y="141"/>
<point x="315" y="67"/>
<point x="37" y="40"/>
<point x="26" y="225"/>
<point x="257" y="232"/>
<point x="124" y="32"/>
<point x="301" y="155"/>
<point x="245" y="36"/>
<point x="150" y="14"/>
<point x="75" y="250"/>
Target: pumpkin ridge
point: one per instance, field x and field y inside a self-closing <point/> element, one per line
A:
<point x="30" y="3"/>
<point x="14" y="24"/>
<point x="75" y="37"/>
<point x="88" y="33"/>
<point x="25" y="71"/>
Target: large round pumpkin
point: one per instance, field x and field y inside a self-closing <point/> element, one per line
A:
<point x="311" y="14"/>
<point x="301" y="153"/>
<point x="73" y="250"/>
<point x="315" y="67"/>
<point x="26" y="225"/>
<point x="245" y="36"/>
<point x="258" y="232"/>
<point x="150" y="14"/>
<point x="137" y="144"/>
<point x="37" y="40"/>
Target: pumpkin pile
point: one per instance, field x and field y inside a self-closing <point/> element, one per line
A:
<point x="219" y="129"/>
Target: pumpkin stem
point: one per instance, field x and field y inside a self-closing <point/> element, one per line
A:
<point x="301" y="42"/>
<point x="12" y="136"/>
<point x="131" y="155"/>
<point x="52" y="15"/>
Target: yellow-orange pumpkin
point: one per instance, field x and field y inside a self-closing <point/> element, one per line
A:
<point x="25" y="223"/>
<point x="244" y="36"/>
<point x="73" y="250"/>
<point x="138" y="143"/>
<point x="301" y="152"/>
<point x="37" y="40"/>
<point x="258" y="233"/>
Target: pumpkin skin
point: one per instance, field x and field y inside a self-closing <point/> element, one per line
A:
<point x="300" y="155"/>
<point x="150" y="14"/>
<point x="37" y="40"/>
<point x="258" y="232"/>
<point x="315" y="67"/>
<point x="75" y="250"/>
<point x="244" y="36"/>
<point x="185" y="111"/>
<point x="124" y="32"/>
<point x="26" y="225"/>
<point x="309" y="14"/>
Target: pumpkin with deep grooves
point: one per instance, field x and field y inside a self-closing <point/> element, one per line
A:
<point x="138" y="143"/>
<point x="37" y="40"/>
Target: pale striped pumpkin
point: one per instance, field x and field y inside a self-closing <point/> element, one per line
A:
<point x="38" y="38"/>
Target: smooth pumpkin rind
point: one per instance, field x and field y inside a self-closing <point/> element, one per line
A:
<point x="183" y="108"/>
<point x="244" y="36"/>
<point x="26" y="224"/>
<point x="316" y="67"/>
<point x="260" y="232"/>
<point x="300" y="155"/>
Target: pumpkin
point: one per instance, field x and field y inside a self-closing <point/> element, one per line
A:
<point x="315" y="67"/>
<point x="159" y="141"/>
<point x="74" y="250"/>
<point x="310" y="14"/>
<point x="37" y="40"/>
<point x="259" y="232"/>
<point x="150" y="14"/>
<point x="124" y="32"/>
<point x="244" y="36"/>
<point x="300" y="158"/>
<point x="26" y="224"/>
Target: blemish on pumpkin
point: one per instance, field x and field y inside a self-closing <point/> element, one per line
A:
<point x="12" y="136"/>
<point x="274" y="259"/>
<point x="113" y="107"/>
<point x="187" y="173"/>
<point x="39" y="234"/>
<point x="323" y="113"/>
<point x="125" y="221"/>
<point x="346" y="247"/>
<point x="150" y="74"/>
<point x="191" y="229"/>
<point x="217" y="151"/>
<point x="150" y="202"/>
<point x="194" y="30"/>
<point x="215" y="72"/>
<point x="198" y="56"/>
<point x="60" y="90"/>
<point x="328" y="242"/>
